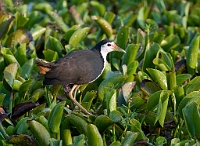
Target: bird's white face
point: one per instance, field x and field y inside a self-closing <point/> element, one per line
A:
<point x="109" y="47"/>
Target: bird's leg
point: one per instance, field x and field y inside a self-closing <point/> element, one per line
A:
<point x="73" y="98"/>
<point x="76" y="88"/>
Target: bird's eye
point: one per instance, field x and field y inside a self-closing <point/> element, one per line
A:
<point x="108" y="44"/>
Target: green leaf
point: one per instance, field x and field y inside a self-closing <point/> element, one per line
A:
<point x="181" y="78"/>
<point x="5" y="23"/>
<point x="20" y="20"/>
<point x="88" y="98"/>
<point x="19" y="36"/>
<point x="104" y="25"/>
<point x="24" y="88"/>
<point x="171" y="80"/>
<point x="192" y="55"/>
<point x="27" y="68"/>
<point x="122" y="37"/>
<point x="142" y="16"/>
<point x="16" y="85"/>
<point x="109" y="84"/>
<point x="115" y="143"/>
<point x="103" y="122"/>
<point x="129" y="138"/>
<point x="136" y="128"/>
<point x="130" y="54"/>
<point x="39" y="132"/>
<point x="55" y="45"/>
<point x="65" y="132"/>
<point x="22" y="140"/>
<point x="171" y="42"/>
<point x="37" y="94"/>
<point x="78" y="36"/>
<point x="158" y="77"/>
<point x="10" y="59"/>
<point x="78" y="122"/>
<point x="93" y="136"/>
<point x="149" y="87"/>
<point x="115" y="116"/>
<point x="55" y="117"/>
<point x="70" y="32"/>
<point x="20" y="55"/>
<point x="79" y="140"/>
<point x="2" y="66"/>
<point x="111" y="100"/>
<point x="193" y="85"/>
<point x="192" y="119"/>
<point x="160" y="141"/>
<point x="34" y="17"/>
<point x="10" y="73"/>
<point x="37" y="32"/>
<point x="150" y="54"/>
<point x="50" y="55"/>
<point x="98" y="7"/>
<point x="186" y="100"/>
<point x="2" y="97"/>
<point x="159" y="101"/>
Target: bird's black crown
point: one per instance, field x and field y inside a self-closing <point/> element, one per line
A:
<point x="98" y="45"/>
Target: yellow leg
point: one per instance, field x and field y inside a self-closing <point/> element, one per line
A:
<point x="73" y="98"/>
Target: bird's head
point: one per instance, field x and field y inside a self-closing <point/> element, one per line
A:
<point x="107" y="46"/>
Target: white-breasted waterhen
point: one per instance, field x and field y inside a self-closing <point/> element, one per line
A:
<point x="77" y="68"/>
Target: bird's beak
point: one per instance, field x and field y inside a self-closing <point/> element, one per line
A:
<point x="117" y="48"/>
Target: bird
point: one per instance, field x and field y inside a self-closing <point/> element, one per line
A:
<point x="77" y="68"/>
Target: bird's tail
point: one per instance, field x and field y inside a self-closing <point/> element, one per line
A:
<point x="44" y="67"/>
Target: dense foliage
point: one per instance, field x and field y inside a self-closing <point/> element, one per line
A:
<point x="148" y="96"/>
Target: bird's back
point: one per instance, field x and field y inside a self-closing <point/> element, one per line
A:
<point x="78" y="67"/>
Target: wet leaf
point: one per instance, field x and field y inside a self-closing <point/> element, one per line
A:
<point x="104" y="25"/>
<point x="78" y="35"/>
<point x="122" y="37"/>
<point x="158" y="77"/>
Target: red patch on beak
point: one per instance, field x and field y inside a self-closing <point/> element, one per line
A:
<point x="115" y="46"/>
